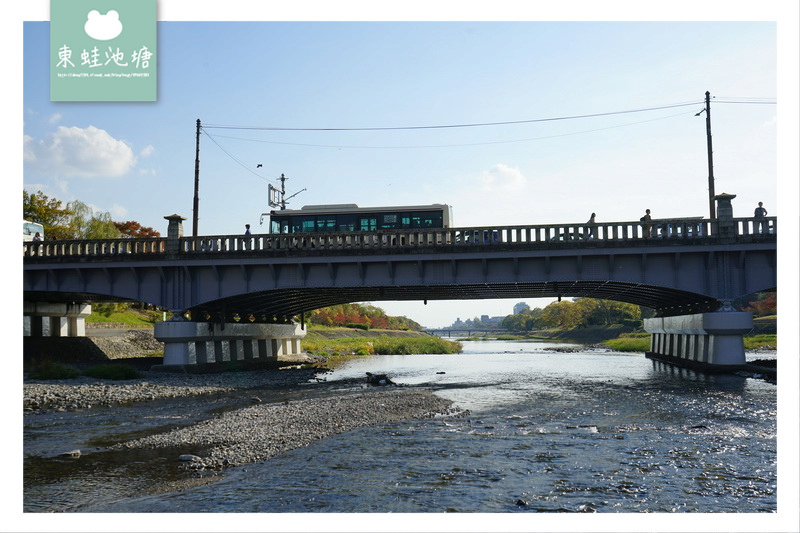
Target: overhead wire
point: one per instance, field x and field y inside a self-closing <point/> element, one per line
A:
<point x="510" y="141"/>
<point x="724" y="100"/>
<point x="444" y="126"/>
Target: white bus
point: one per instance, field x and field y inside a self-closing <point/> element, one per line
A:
<point x="30" y="229"/>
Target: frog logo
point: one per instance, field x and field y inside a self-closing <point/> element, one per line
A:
<point x="103" y="27"/>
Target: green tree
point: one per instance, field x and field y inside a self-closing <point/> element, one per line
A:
<point x="564" y="315"/>
<point x="48" y="212"/>
<point x="596" y="312"/>
<point x="85" y="223"/>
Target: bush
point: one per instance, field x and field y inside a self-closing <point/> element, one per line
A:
<point x="357" y="325"/>
<point x="114" y="372"/>
<point x="50" y="370"/>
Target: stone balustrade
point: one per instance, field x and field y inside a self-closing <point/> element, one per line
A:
<point x="545" y="236"/>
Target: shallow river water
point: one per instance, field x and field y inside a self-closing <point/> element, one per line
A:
<point x="547" y="430"/>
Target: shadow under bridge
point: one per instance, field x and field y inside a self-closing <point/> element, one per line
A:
<point x="283" y="304"/>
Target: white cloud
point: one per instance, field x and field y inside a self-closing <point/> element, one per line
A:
<point x="80" y="152"/>
<point x="55" y="118"/>
<point x="503" y="178"/>
<point x="118" y="212"/>
<point x="147" y="151"/>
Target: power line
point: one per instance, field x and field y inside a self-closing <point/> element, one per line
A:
<point x="247" y="168"/>
<point x="443" y="126"/>
<point x="448" y="145"/>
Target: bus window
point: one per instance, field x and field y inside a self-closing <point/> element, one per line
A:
<point x="326" y="223"/>
<point x="368" y="223"/>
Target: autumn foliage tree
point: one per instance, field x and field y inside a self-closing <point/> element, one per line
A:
<point x="765" y="304"/>
<point x="133" y="229"/>
<point x="368" y="316"/>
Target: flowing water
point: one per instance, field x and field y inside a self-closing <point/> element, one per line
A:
<point x="550" y="428"/>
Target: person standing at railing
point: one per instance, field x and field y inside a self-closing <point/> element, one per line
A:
<point x="645" y="220"/>
<point x="37" y="240"/>
<point x="759" y="215"/>
<point x="591" y="228"/>
<point x="246" y="239"/>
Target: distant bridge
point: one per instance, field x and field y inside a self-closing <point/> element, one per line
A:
<point x="450" y="332"/>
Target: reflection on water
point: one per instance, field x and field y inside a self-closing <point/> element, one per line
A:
<point x="548" y="430"/>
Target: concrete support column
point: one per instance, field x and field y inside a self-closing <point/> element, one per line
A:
<point x="189" y="343"/>
<point x="55" y="319"/>
<point x="710" y="339"/>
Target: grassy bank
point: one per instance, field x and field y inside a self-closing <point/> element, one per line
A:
<point x="640" y="342"/>
<point x="629" y="342"/>
<point x="127" y="317"/>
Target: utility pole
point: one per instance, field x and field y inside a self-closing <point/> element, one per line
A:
<point x="283" y="192"/>
<point x="711" y="208"/>
<point x="196" y="181"/>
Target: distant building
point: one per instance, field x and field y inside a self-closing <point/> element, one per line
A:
<point x="520" y="307"/>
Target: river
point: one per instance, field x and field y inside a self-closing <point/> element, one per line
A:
<point x="550" y="428"/>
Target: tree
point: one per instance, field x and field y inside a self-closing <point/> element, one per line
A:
<point x="564" y="315"/>
<point x="49" y="213"/>
<point x="86" y="224"/>
<point x="133" y="229"/>
<point x="765" y="304"/>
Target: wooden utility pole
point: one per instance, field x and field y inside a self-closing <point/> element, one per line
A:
<point x="196" y="181"/>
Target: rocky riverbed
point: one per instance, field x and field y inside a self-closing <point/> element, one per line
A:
<point x="259" y="427"/>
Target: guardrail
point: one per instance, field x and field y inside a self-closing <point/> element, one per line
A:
<point x="677" y="229"/>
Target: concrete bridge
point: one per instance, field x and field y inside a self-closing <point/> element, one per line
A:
<point x="240" y="294"/>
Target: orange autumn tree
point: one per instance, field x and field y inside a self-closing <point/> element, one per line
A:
<point x="367" y="315"/>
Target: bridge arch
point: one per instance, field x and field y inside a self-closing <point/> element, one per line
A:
<point x="283" y="304"/>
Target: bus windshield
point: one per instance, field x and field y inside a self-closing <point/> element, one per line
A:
<point x="30" y="229"/>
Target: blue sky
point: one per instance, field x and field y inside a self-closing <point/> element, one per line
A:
<point x="388" y="74"/>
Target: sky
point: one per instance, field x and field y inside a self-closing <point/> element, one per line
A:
<point x="136" y="160"/>
<point x="256" y="64"/>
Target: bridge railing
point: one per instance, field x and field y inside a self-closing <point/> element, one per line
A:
<point x="544" y="235"/>
<point x="95" y="247"/>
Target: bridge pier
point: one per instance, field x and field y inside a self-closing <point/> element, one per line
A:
<point x="42" y="319"/>
<point x="705" y="341"/>
<point x="198" y="343"/>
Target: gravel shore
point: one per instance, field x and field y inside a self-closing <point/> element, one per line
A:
<point x="252" y="433"/>
<point x="261" y="431"/>
<point x="85" y="392"/>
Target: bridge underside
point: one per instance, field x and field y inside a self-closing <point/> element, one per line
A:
<point x="283" y="304"/>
